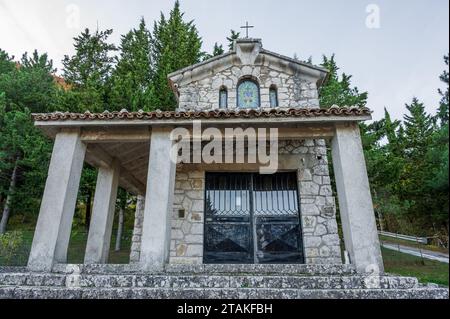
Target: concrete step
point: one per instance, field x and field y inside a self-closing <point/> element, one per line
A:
<point x="208" y="281"/>
<point x="217" y="293"/>
<point x="266" y="269"/>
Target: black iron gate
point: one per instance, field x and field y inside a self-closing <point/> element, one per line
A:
<point x="252" y="218"/>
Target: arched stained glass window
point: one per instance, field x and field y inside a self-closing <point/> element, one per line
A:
<point x="248" y="95"/>
<point x="223" y="98"/>
<point x="273" y="95"/>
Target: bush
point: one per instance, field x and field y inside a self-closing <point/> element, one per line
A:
<point x="10" y="245"/>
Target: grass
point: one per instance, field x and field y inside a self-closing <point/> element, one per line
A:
<point x="427" y="271"/>
<point x="77" y="248"/>
<point x="392" y="240"/>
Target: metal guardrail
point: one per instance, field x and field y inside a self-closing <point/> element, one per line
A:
<point x="422" y="240"/>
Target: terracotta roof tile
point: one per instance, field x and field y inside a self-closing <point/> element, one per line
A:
<point x="217" y="114"/>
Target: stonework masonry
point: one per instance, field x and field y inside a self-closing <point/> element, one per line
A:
<point x="293" y="89"/>
<point x="317" y="204"/>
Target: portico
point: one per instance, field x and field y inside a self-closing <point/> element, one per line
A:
<point x="133" y="150"/>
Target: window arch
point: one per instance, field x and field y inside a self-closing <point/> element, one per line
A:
<point x="248" y="94"/>
<point x="273" y="96"/>
<point x="223" y="98"/>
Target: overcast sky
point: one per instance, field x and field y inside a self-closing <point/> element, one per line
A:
<point x="393" y="49"/>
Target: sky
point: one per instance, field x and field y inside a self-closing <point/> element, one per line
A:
<point x="393" y="49"/>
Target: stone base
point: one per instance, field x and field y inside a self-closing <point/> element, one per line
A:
<point x="211" y="282"/>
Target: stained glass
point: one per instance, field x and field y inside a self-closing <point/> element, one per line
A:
<point x="223" y="100"/>
<point x="248" y="95"/>
<point x="273" y="97"/>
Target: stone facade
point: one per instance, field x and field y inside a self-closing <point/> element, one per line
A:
<point x="317" y="204"/>
<point x="293" y="89"/>
<point x="317" y="208"/>
<point x="198" y="87"/>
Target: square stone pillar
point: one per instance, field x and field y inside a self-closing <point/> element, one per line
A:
<point x="99" y="238"/>
<point x="54" y="224"/>
<point x="355" y="200"/>
<point x="155" y="243"/>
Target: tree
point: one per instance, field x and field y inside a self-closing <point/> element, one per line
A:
<point x="23" y="152"/>
<point x="175" y="44"/>
<point x="337" y="90"/>
<point x="132" y="78"/>
<point x="218" y="49"/>
<point x="6" y="62"/>
<point x="89" y="71"/>
<point x="442" y="113"/>
<point x="233" y="37"/>
<point x="30" y="84"/>
<point x="25" y="87"/>
<point x="122" y="204"/>
<point x="418" y="130"/>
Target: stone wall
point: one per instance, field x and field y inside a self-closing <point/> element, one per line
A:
<point x="294" y="89"/>
<point x="137" y="231"/>
<point x="186" y="246"/>
<point x="317" y="205"/>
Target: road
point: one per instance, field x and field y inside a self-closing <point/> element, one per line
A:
<point x="428" y="254"/>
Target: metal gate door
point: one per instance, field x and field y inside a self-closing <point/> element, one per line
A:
<point x="252" y="218"/>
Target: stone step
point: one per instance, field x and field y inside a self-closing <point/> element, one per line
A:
<point x="266" y="269"/>
<point x="217" y="293"/>
<point x="208" y="281"/>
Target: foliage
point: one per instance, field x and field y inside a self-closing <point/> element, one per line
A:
<point x="175" y="44"/>
<point x="132" y="86"/>
<point x="10" y="243"/>
<point x="233" y="37"/>
<point x="88" y="71"/>
<point x="338" y="90"/>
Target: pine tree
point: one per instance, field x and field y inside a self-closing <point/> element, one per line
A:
<point x="89" y="71"/>
<point x="175" y="44"/>
<point x="132" y="78"/>
<point x="6" y="62"/>
<point x="233" y="37"/>
<point x="418" y="129"/>
<point x="444" y="104"/>
<point x="337" y="90"/>
<point x="218" y="49"/>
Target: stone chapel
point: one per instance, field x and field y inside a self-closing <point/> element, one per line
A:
<point x="251" y="216"/>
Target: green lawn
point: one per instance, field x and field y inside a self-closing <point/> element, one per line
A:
<point x="429" y="271"/>
<point x="77" y="248"/>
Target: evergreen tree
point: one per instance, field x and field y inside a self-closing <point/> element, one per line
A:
<point x="418" y="129"/>
<point x="218" y="49"/>
<point x="132" y="77"/>
<point x="89" y="71"/>
<point x="6" y="62"/>
<point x="30" y="84"/>
<point x="337" y="90"/>
<point x="175" y="44"/>
<point x="233" y="37"/>
<point x="443" y="107"/>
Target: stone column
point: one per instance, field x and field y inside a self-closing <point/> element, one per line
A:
<point x="355" y="201"/>
<point x="52" y="234"/>
<point x="99" y="238"/>
<point x="156" y="229"/>
<point x="137" y="231"/>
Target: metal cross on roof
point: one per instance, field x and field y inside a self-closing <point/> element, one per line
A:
<point x="246" y="27"/>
